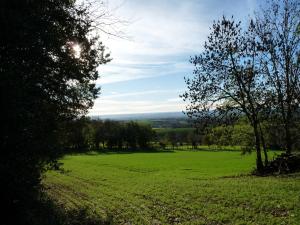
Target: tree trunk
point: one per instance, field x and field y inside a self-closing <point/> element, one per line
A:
<point x="265" y="152"/>
<point x="264" y="145"/>
<point x="259" y="163"/>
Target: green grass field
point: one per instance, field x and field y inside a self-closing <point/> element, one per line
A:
<point x="182" y="187"/>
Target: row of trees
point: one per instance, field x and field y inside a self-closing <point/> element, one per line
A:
<point x="85" y="134"/>
<point x="252" y="72"/>
<point x="241" y="134"/>
<point x="177" y="137"/>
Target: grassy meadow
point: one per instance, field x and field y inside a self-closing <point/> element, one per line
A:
<point x="181" y="187"/>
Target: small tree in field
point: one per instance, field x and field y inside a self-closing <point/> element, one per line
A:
<point x="227" y="80"/>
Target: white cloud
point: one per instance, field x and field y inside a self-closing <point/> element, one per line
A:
<point x="125" y="71"/>
<point x="164" y="34"/>
<point x="140" y="93"/>
<point x="108" y="107"/>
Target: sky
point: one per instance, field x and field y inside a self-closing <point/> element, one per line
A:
<point x="149" y="63"/>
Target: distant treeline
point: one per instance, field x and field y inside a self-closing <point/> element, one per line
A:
<point x="238" y="134"/>
<point x="241" y="134"/>
<point x="85" y="134"/>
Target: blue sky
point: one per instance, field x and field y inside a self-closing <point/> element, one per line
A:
<point x="148" y="69"/>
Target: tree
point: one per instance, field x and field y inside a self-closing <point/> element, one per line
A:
<point x="227" y="81"/>
<point x="276" y="29"/>
<point x="111" y="133"/>
<point x="194" y="139"/>
<point x="49" y="60"/>
<point x="145" y="135"/>
<point x="131" y="134"/>
<point x="173" y="138"/>
<point x="222" y="135"/>
<point x="242" y="135"/>
<point x="99" y="134"/>
<point x="75" y="134"/>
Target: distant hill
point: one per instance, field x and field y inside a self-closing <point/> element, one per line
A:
<point x="143" y="116"/>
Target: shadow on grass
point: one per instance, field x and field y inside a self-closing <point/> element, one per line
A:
<point x="46" y="212"/>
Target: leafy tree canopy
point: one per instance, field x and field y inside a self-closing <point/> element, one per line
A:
<point x="49" y="59"/>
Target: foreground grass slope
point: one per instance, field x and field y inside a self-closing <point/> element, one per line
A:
<point x="175" y="188"/>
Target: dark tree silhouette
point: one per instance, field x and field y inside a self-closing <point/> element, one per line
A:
<point x="145" y="136"/>
<point x="131" y="134"/>
<point x="99" y="138"/>
<point x="49" y="59"/>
